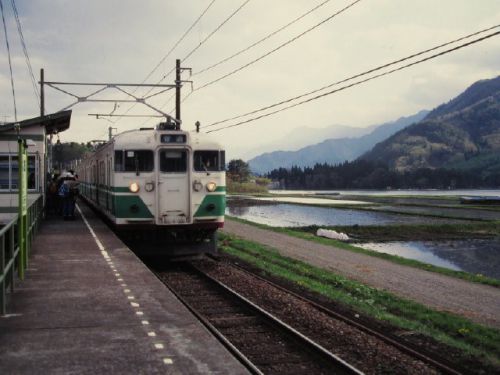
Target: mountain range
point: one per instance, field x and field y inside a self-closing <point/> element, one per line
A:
<point x="335" y="150"/>
<point x="462" y="134"/>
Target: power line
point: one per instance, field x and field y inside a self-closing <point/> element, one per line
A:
<point x="262" y="39"/>
<point x="358" y="82"/>
<point x="10" y="62"/>
<point x="215" y="30"/>
<point x="353" y="77"/>
<point x="199" y="45"/>
<point x="190" y="53"/>
<point x="180" y="40"/>
<point x="279" y="47"/>
<point x="25" y="51"/>
<point x="168" y="54"/>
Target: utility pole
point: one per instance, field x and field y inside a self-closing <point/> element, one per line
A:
<point x="42" y="95"/>
<point x="178" y="94"/>
<point x="110" y="134"/>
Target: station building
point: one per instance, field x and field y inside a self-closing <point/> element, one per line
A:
<point x="37" y="132"/>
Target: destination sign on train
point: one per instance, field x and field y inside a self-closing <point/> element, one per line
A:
<point x="173" y="138"/>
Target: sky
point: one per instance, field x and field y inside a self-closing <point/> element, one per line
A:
<point x="122" y="41"/>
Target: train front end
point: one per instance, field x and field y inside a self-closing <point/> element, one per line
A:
<point x="185" y="196"/>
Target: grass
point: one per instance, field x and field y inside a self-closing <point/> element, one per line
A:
<point x="417" y="231"/>
<point x="457" y="332"/>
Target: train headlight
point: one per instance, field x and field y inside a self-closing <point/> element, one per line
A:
<point x="197" y="185"/>
<point x="211" y="186"/>
<point x="134" y="187"/>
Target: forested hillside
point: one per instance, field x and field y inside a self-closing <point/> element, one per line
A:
<point x="463" y="134"/>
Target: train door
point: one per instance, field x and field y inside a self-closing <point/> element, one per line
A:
<point x="173" y="192"/>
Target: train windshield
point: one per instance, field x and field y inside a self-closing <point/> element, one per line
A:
<point x="209" y="161"/>
<point x="173" y="161"/>
<point x="134" y="161"/>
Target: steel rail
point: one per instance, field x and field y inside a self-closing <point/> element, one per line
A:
<point x="320" y="350"/>
<point x="445" y="368"/>
<point x="239" y="355"/>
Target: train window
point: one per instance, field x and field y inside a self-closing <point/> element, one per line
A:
<point x="134" y="161"/>
<point x="208" y="161"/>
<point x="173" y="161"/>
<point x="222" y="160"/>
<point x="119" y="161"/>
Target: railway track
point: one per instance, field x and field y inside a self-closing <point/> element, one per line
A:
<point x="260" y="340"/>
<point x="437" y="362"/>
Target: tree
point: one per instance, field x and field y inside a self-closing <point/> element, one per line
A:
<point x="238" y="170"/>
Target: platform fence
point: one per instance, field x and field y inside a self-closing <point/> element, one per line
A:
<point x="10" y="253"/>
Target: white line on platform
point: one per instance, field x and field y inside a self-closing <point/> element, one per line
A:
<point x="104" y="253"/>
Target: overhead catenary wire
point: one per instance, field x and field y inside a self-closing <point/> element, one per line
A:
<point x="176" y="44"/>
<point x="203" y="41"/>
<point x="295" y="20"/>
<point x="10" y="62"/>
<point x="180" y="40"/>
<point x="358" y="82"/>
<point x="215" y="30"/>
<point x="279" y="47"/>
<point x="26" y="55"/>
<point x="354" y="77"/>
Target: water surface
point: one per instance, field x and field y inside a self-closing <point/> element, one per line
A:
<point x="430" y="192"/>
<point x="477" y="256"/>
<point x="290" y="215"/>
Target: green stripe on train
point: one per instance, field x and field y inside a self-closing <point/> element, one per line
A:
<point x="130" y="206"/>
<point x="212" y="205"/>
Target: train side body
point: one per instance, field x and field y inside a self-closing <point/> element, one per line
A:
<point x="166" y="184"/>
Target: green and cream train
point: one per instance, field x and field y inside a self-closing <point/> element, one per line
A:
<point x="160" y="183"/>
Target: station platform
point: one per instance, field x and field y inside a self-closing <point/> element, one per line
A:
<point x="88" y="305"/>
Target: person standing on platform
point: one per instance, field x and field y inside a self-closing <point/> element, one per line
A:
<point x="68" y="192"/>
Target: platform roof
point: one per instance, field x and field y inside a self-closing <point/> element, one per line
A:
<point x="53" y="123"/>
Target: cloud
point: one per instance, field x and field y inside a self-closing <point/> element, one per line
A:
<point x="121" y="41"/>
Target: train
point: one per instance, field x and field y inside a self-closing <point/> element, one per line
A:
<point x="159" y="183"/>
